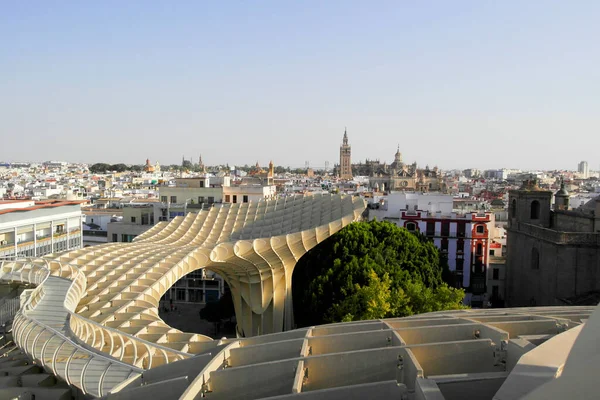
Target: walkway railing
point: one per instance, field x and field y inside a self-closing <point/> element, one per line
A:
<point x="91" y="333"/>
<point x="89" y="339"/>
<point x="9" y="309"/>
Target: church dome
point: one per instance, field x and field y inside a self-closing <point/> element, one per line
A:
<point x="562" y="191"/>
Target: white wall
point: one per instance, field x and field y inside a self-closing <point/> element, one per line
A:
<point x="99" y="219"/>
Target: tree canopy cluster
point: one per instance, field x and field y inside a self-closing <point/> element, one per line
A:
<point x="102" y="168"/>
<point x="217" y="311"/>
<point x="371" y="270"/>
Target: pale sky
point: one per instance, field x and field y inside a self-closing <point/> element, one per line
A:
<point x="458" y="84"/>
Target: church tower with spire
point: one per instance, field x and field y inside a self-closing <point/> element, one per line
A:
<point x="345" y="158"/>
<point x="201" y="164"/>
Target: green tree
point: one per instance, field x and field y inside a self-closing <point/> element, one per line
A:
<point x="211" y="313"/>
<point x="99" y="168"/>
<point x="217" y="311"/>
<point x="371" y="270"/>
<point x="119" y="167"/>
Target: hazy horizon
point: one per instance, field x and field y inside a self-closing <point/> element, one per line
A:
<point x="470" y="84"/>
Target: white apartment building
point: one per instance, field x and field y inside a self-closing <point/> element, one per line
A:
<point x="35" y="228"/>
<point x="189" y="193"/>
<point x="95" y="225"/>
<point x="464" y="237"/>
<point x="136" y="219"/>
<point x="245" y="193"/>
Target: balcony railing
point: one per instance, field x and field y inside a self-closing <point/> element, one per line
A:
<point x="7" y="246"/>
<point x="40" y="240"/>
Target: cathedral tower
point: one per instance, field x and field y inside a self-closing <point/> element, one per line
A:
<point x="345" y="159"/>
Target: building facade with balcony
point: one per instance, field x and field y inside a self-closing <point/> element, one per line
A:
<point x="196" y="287"/>
<point x="36" y="228"/>
<point x="464" y="238"/>
<point x="192" y="193"/>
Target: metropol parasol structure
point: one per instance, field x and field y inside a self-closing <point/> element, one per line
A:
<point x="92" y="321"/>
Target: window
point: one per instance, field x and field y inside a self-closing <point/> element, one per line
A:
<point x="444" y="245"/>
<point x="227" y="198"/>
<point x="245" y="198"/>
<point x="513" y="209"/>
<point x="132" y="220"/>
<point x="461" y="229"/>
<point x="200" y="199"/>
<point x="411" y="226"/>
<point x="115" y="237"/>
<point x="495" y="292"/>
<point x="92" y="220"/>
<point x="211" y="199"/>
<point x="492" y="252"/>
<point x="479" y="250"/>
<point x="201" y="184"/>
<point x="535" y="259"/>
<point x="235" y="198"/>
<point x="480" y="229"/>
<point x="430" y="228"/>
<point x="535" y="209"/>
<point x="195" y="296"/>
<point x="163" y="199"/>
<point x="445" y="228"/>
<point x="496" y="274"/>
<point x="460" y="263"/>
<point x="173" y="199"/>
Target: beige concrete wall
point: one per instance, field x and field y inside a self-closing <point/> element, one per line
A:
<point x="191" y="193"/>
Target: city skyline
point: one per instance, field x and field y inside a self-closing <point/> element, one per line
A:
<point x="311" y="165"/>
<point x="474" y="85"/>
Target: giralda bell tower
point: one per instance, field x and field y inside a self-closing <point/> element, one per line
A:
<point x="345" y="159"/>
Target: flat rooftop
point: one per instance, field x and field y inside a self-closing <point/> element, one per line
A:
<point x="30" y="205"/>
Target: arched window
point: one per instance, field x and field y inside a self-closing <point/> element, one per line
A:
<point x="411" y="226"/>
<point x="513" y="209"/>
<point x="535" y="209"/>
<point x="535" y="259"/>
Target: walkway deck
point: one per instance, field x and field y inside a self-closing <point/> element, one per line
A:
<point x="44" y="333"/>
